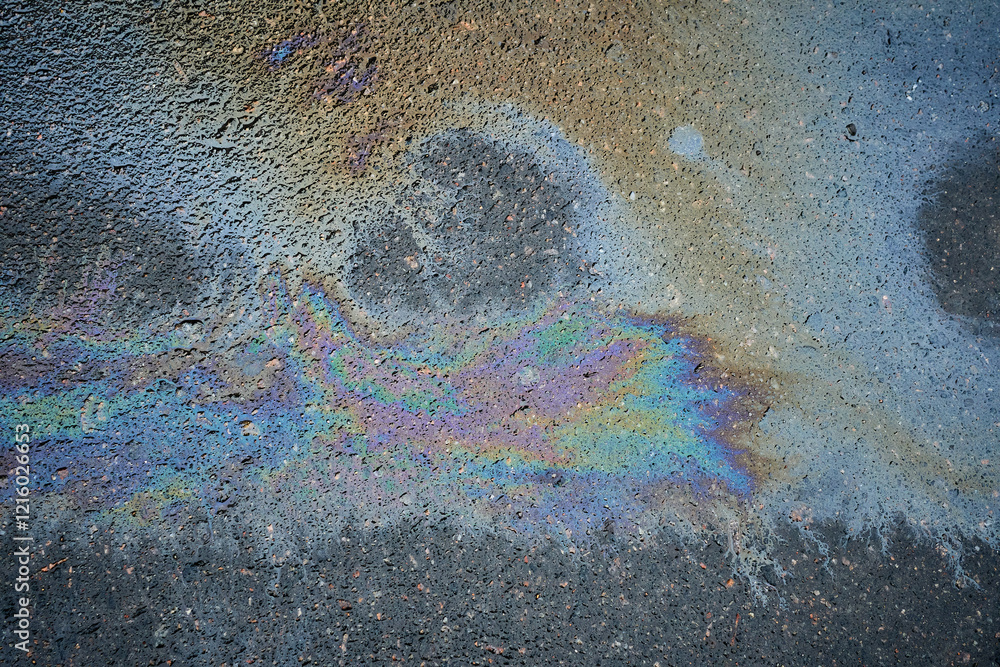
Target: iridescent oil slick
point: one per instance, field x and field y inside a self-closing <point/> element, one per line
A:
<point x="517" y="398"/>
<point x="535" y="273"/>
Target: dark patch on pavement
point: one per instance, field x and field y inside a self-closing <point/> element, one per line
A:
<point x="489" y="232"/>
<point x="56" y="242"/>
<point x="961" y="227"/>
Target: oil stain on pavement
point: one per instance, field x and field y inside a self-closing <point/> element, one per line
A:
<point x="493" y="333"/>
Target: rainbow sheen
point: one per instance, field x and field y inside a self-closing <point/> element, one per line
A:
<point x="564" y="413"/>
